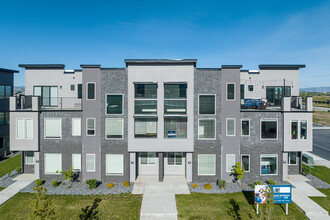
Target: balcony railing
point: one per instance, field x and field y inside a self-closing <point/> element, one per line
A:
<point x="49" y="103"/>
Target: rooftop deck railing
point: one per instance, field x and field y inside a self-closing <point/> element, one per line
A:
<point x="49" y="103"/>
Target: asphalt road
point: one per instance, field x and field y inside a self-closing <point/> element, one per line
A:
<point x="321" y="143"/>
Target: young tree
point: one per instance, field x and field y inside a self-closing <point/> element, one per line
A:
<point x="91" y="212"/>
<point x="67" y="175"/>
<point x="238" y="172"/>
<point x="267" y="207"/>
<point x="42" y="206"/>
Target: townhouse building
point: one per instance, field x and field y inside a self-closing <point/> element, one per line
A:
<point x="6" y="90"/>
<point x="161" y="117"/>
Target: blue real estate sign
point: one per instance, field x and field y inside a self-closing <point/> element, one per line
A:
<point x="171" y="134"/>
<point x="282" y="193"/>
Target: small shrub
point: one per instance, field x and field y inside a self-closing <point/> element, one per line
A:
<point x="271" y="182"/>
<point x="208" y="186"/>
<point x="222" y="183"/>
<point x="38" y="182"/>
<point x="18" y="169"/>
<point x="258" y="182"/>
<point x="92" y="183"/>
<point x="306" y="170"/>
<point x="110" y="185"/>
<point x="55" y="183"/>
<point x="126" y="184"/>
<point x="194" y="185"/>
<point x="253" y="184"/>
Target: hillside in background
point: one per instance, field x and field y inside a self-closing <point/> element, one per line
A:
<point x="20" y="89"/>
<point x="315" y="89"/>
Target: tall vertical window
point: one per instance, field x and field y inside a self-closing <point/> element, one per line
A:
<point x="114" y="128"/>
<point x="268" y="164"/>
<point x="294" y="129"/>
<point x="145" y="128"/>
<point x="114" y="104"/>
<point x="29" y="157"/>
<point x="48" y="95"/>
<point x="90" y="90"/>
<point x="2" y="92"/>
<point x="175" y="99"/>
<point x="230" y="162"/>
<point x="268" y="129"/>
<point x="19" y="128"/>
<point x="230" y="91"/>
<point x="245" y="127"/>
<point x="29" y="128"/>
<point x="303" y="129"/>
<point x="5" y="92"/>
<point x="174" y="158"/>
<point x="246" y="162"/>
<point x="53" y="128"/>
<point x="206" y="104"/>
<point x="90" y="126"/>
<point x="114" y="164"/>
<point x="175" y="127"/>
<point x="76" y="126"/>
<point x="206" y="164"/>
<point x="206" y="129"/>
<point x="76" y="162"/>
<point x="293" y="158"/>
<point x="8" y="92"/>
<point x="242" y="91"/>
<point x="230" y="127"/>
<point x="2" y="118"/>
<point x="79" y="91"/>
<point x="90" y="162"/>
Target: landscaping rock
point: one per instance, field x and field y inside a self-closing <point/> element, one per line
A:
<point x="316" y="182"/>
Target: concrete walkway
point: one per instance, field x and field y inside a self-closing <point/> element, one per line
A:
<point x="21" y="181"/>
<point x="318" y="161"/>
<point x="159" y="197"/>
<point x="301" y="194"/>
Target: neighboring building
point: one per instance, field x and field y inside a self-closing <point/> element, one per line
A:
<point x="161" y="117"/>
<point x="6" y="90"/>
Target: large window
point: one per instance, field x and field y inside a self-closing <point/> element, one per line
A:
<point x="53" y="163"/>
<point x="145" y="99"/>
<point x="175" y="99"/>
<point x="48" y="95"/>
<point x="29" y="157"/>
<point x="5" y="92"/>
<point x="268" y="164"/>
<point x="114" y="104"/>
<point x="90" y="128"/>
<point x="230" y="91"/>
<point x="206" y="129"/>
<point x="24" y="128"/>
<point x="145" y="91"/>
<point x="294" y="129"/>
<point x="114" y="128"/>
<point x="175" y="128"/>
<point x="268" y="129"/>
<point x="274" y="94"/>
<point x="76" y="162"/>
<point x="76" y="126"/>
<point x="293" y="158"/>
<point x="91" y="91"/>
<point x="303" y="129"/>
<point x="206" y="104"/>
<point x="79" y="91"/>
<point x="145" y="107"/>
<point x="230" y="162"/>
<point x="245" y="127"/>
<point x="145" y="128"/>
<point x="114" y="164"/>
<point x="206" y="164"/>
<point x="148" y="158"/>
<point x="90" y="162"/>
<point x="246" y="162"/>
<point x="174" y="159"/>
<point x="230" y="127"/>
<point x="53" y="128"/>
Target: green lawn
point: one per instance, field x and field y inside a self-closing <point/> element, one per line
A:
<point x="215" y="206"/>
<point x="2" y="188"/>
<point x="320" y="172"/>
<point x="323" y="201"/>
<point x="123" y="206"/>
<point x="10" y="164"/>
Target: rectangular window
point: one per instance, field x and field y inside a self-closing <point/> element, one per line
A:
<point x="174" y="159"/>
<point x="19" y="128"/>
<point x="274" y="94"/>
<point x="145" y="107"/>
<point x="53" y="163"/>
<point x="72" y="88"/>
<point x="206" y="129"/>
<point x="246" y="162"/>
<point x="175" y="99"/>
<point x="79" y="91"/>
<point x="242" y="91"/>
<point x="2" y="92"/>
<point x="2" y="142"/>
<point x="148" y="158"/>
<point x="230" y="131"/>
<point x="293" y="158"/>
<point x="7" y="119"/>
<point x="245" y="127"/>
<point x="90" y="162"/>
<point x="90" y="126"/>
<point x="268" y="164"/>
<point x="8" y="92"/>
<point x="48" y="95"/>
<point x="294" y="129"/>
<point x="206" y="104"/>
<point x="114" y="164"/>
<point x="29" y="157"/>
<point x="287" y="91"/>
<point x="53" y="128"/>
<point x="176" y="107"/>
<point x="76" y="126"/>
<point x="230" y="162"/>
<point x="175" y="91"/>
<point x="114" y="128"/>
<point x="175" y="127"/>
<point x="76" y="162"/>
<point x="250" y="88"/>
<point x="145" y="128"/>
<point x="303" y="129"/>
<point x="28" y="129"/>
<point x="91" y="91"/>
<point x="230" y="91"/>
<point x="114" y="104"/>
<point x="145" y="91"/>
<point x="206" y="164"/>
<point x="268" y="129"/>
<point x="2" y="118"/>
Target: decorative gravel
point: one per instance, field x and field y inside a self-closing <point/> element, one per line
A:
<point x="7" y="180"/>
<point x="316" y="182"/>
<point x="79" y="188"/>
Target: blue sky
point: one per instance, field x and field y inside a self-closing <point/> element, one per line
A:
<point x="215" y="32"/>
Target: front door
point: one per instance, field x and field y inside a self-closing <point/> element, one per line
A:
<point x="148" y="163"/>
<point x="174" y="163"/>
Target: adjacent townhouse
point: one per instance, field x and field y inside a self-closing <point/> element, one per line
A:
<point x="161" y="117"/>
<point x="6" y="90"/>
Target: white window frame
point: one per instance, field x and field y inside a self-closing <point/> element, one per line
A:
<point x="148" y="160"/>
<point x="277" y="166"/>
<point x="87" y="90"/>
<point x="122" y="103"/>
<point x="293" y="164"/>
<point x="94" y="163"/>
<point x="27" y="157"/>
<point x="231" y="168"/>
<point x="45" y="165"/>
<point x="17" y="128"/>
<point x="230" y="100"/>
<point x="299" y="129"/>
<point x="252" y="87"/>
<point x="72" y="126"/>
<point x="215" y="128"/>
<point x="45" y="128"/>
<point x="24" y="129"/>
<point x="106" y="173"/>
<point x="122" y="128"/>
<point x="227" y="127"/>
<point x="215" y="104"/>
<point x="269" y="119"/>
<point x="73" y="163"/>
<point x="87" y="127"/>
<point x="245" y="119"/>
<point x="175" y="165"/>
<point x="74" y="87"/>
<point x="215" y="165"/>
<point x="247" y="171"/>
